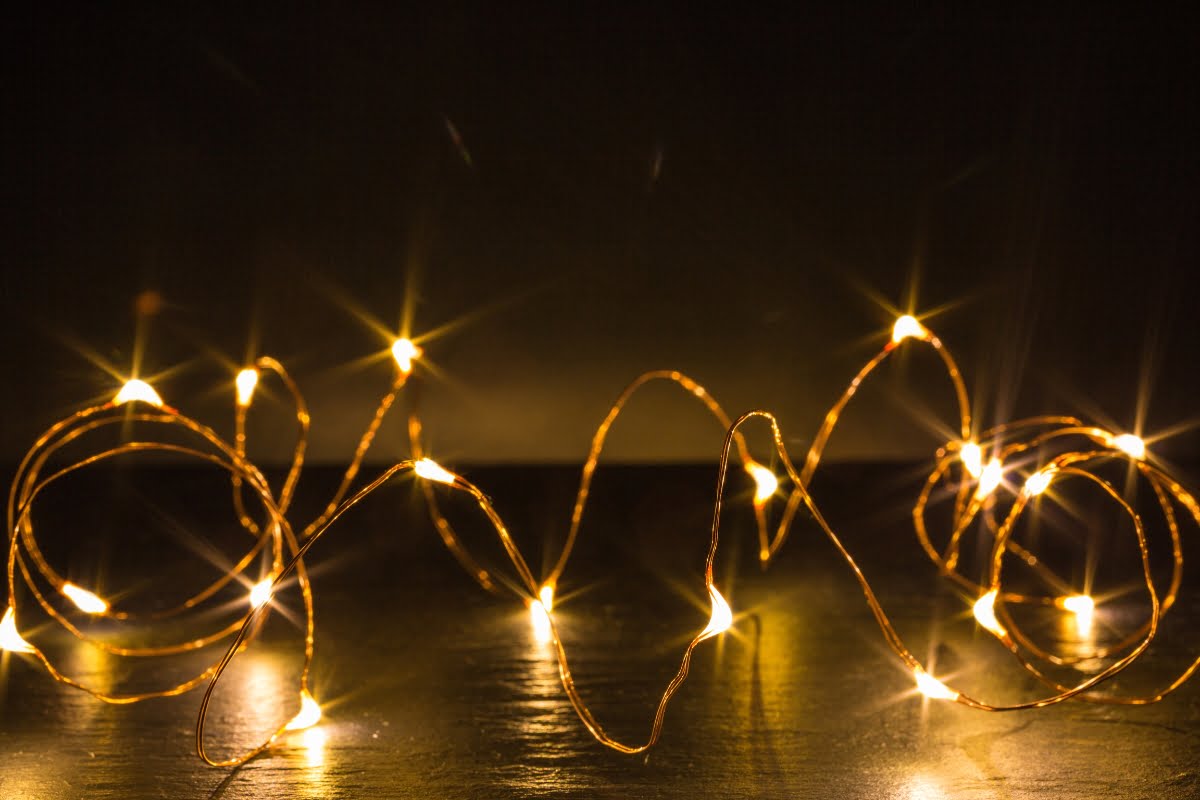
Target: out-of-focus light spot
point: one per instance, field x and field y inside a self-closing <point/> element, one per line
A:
<point x="1084" y="609"/>
<point x="86" y="601"/>
<point x="985" y="614"/>
<point x="765" y="482"/>
<point x="907" y="326"/>
<point x="138" y="390"/>
<point x="971" y="456"/>
<point x="247" y="379"/>
<point x="1039" y="481"/>
<point x="260" y="593"/>
<point x="10" y="639"/>
<point x="543" y="632"/>
<point x="309" y="714"/>
<point x="1131" y="445"/>
<point x="148" y="303"/>
<point x="547" y="595"/>
<point x="990" y="478"/>
<point x="722" y="615"/>
<point x="931" y="687"/>
<point x="405" y="353"/>
<point x="430" y="470"/>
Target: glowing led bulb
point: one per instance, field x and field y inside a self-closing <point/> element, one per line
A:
<point x="908" y="326"/>
<point x="765" y="482"/>
<point x="138" y="390"/>
<point x="722" y="616"/>
<point x="990" y="478"/>
<point x="309" y="714"/>
<point x="430" y="470"/>
<point x="985" y="614"/>
<point x="247" y="379"/>
<point x="1084" y="609"/>
<point x="1039" y="481"/>
<point x="1131" y="445"/>
<point x="539" y="615"/>
<point x="971" y="456"/>
<point x="10" y="640"/>
<point x="405" y="352"/>
<point x="85" y="600"/>
<point x="931" y="687"/>
<point x="260" y="593"/>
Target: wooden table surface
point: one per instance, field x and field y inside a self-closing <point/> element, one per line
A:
<point x="433" y="688"/>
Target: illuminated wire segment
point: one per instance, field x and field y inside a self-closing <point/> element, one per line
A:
<point x="140" y="405"/>
<point x="976" y="471"/>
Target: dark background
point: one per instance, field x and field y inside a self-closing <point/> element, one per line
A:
<point x="566" y="199"/>
<point x="572" y="197"/>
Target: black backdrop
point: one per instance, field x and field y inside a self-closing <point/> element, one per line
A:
<point x="575" y="197"/>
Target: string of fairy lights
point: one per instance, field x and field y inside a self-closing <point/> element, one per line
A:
<point x="986" y="475"/>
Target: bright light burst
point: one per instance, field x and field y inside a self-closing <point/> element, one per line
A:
<point x="539" y="616"/>
<point x="86" y="601"/>
<point x="309" y="714"/>
<point x="722" y="616"/>
<point x="246" y="380"/>
<point x="765" y="482"/>
<point x="1039" y="481"/>
<point x="405" y="353"/>
<point x="10" y="638"/>
<point x="136" y="389"/>
<point x="931" y="687"/>
<point x="971" y="456"/>
<point x="260" y="593"/>
<point x="985" y="614"/>
<point x="1084" y="609"/>
<point x="991" y="477"/>
<point x="907" y="326"/>
<point x="430" y="470"/>
<point x="1131" y="445"/>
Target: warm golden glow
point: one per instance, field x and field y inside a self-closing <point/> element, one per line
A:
<point x="931" y="687"/>
<point x="539" y="615"/>
<point x="1131" y="445"/>
<point x="85" y="600"/>
<point x="138" y="390"/>
<point x="907" y="326"/>
<point x="260" y="594"/>
<point x="722" y="616"/>
<point x="313" y="741"/>
<point x="1084" y="609"/>
<point x="309" y="714"/>
<point x="247" y="379"/>
<point x="765" y="482"/>
<point x="405" y="352"/>
<point x="971" y="456"/>
<point x="430" y="470"/>
<point x="10" y="640"/>
<point x="990" y="478"/>
<point x="985" y="614"/>
<point x="967" y="485"/>
<point x="1039" y="481"/>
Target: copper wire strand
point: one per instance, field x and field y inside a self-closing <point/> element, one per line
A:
<point x="29" y="473"/>
<point x="969" y="507"/>
<point x="451" y="538"/>
<point x="364" y="444"/>
<point x="303" y="421"/>
<point x="28" y="485"/>
<point x="14" y="559"/>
